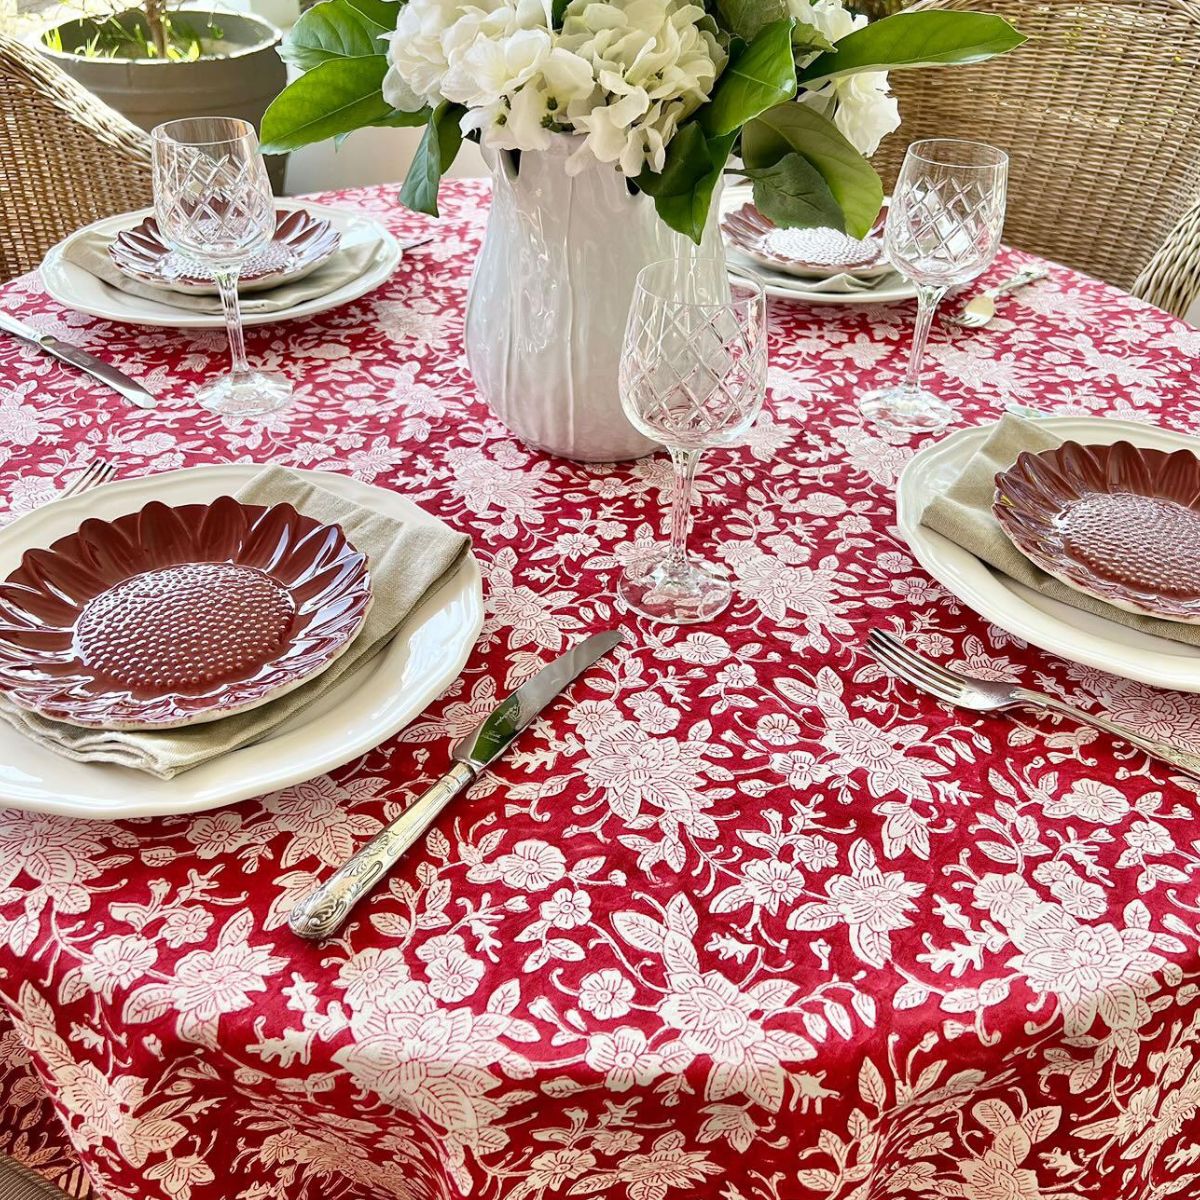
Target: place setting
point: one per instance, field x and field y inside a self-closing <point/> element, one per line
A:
<point x="161" y="266"/>
<point x="183" y="640"/>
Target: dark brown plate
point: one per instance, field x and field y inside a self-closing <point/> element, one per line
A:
<point x="1117" y="522"/>
<point x="301" y="244"/>
<point x="175" y="616"/>
<point x="811" y="253"/>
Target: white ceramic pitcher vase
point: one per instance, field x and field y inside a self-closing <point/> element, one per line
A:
<point x="550" y="296"/>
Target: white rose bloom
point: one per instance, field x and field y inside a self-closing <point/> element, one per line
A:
<point x="866" y="111"/>
<point x="859" y="105"/>
<point x="654" y="66"/>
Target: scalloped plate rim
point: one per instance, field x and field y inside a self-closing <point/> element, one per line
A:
<point x="217" y="709"/>
<point x="82" y="292"/>
<point x="1064" y="632"/>
<point x="1077" y="576"/>
<point x="372" y="705"/>
<point x="247" y="284"/>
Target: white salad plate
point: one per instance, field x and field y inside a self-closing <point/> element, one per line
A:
<point x="79" y="289"/>
<point x="355" y="715"/>
<point x="890" y="288"/>
<point x="1048" y="624"/>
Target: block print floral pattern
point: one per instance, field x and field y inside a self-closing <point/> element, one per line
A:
<point x="744" y="919"/>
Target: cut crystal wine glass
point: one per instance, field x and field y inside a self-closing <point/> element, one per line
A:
<point x="693" y="375"/>
<point x="943" y="229"/>
<point x="213" y="203"/>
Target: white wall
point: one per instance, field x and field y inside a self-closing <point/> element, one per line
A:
<point x="367" y="156"/>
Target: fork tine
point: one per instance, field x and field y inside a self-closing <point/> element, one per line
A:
<point x="98" y="471"/>
<point x="107" y="472"/>
<point x="82" y="480"/>
<point x="913" y="672"/>
<point x="948" y="677"/>
<point x="921" y="682"/>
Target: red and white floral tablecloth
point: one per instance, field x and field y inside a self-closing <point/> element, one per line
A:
<point x="745" y="919"/>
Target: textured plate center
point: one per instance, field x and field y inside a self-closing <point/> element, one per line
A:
<point x="275" y="257"/>
<point x="1147" y="542"/>
<point x="185" y="628"/>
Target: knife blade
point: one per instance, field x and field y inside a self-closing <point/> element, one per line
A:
<point x="133" y="391"/>
<point x="323" y="912"/>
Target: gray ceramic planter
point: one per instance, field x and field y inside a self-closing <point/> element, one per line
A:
<point x="238" y="82"/>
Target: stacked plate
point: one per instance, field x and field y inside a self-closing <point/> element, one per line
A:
<point x="1113" y="513"/>
<point x="307" y="239"/>
<point x="124" y="611"/>
<point x="818" y="266"/>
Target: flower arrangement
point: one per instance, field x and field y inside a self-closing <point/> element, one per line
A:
<point x="666" y="91"/>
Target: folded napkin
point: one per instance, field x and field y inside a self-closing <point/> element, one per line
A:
<point x="837" y="284"/>
<point x="89" y="251"/>
<point x="406" y="562"/>
<point x="963" y="513"/>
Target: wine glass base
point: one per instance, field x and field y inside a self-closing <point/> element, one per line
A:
<point x="250" y="394"/>
<point x="676" y="595"/>
<point x="908" y="410"/>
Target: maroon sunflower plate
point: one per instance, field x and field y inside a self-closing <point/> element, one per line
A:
<point x="1118" y="522"/>
<point x="811" y="253"/>
<point x="175" y="616"/>
<point x="301" y="244"/>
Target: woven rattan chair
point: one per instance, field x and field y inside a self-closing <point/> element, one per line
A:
<point x="66" y="159"/>
<point x="1100" y="114"/>
<point x="1171" y="279"/>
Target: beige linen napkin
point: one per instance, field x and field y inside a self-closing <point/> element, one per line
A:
<point x="963" y="513"/>
<point x="406" y="561"/>
<point x="90" y="253"/>
<point x="834" y="284"/>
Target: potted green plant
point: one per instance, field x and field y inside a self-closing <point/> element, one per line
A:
<point x="157" y="62"/>
<point x="609" y="125"/>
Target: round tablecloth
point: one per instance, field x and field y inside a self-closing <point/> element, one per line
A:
<point x="742" y="918"/>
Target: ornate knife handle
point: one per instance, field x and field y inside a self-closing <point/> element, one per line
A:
<point x="323" y="912"/>
<point x="1175" y="756"/>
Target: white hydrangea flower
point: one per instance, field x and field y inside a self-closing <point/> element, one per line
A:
<point x="653" y="65"/>
<point x="860" y="105"/>
<point x="433" y="36"/>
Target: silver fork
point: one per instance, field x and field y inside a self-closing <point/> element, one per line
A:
<point x="980" y="309"/>
<point x="986" y="695"/>
<point x="98" y="471"/>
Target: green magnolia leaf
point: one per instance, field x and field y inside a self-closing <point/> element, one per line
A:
<point x="338" y="29"/>
<point x="808" y="40"/>
<point x="793" y="194"/>
<point x="557" y="11"/>
<point x="683" y="190"/>
<point x="336" y="96"/>
<point x="438" y="149"/>
<point x="746" y="18"/>
<point x="915" y="39"/>
<point x="383" y="13"/>
<point x="758" y="76"/>
<point x="797" y="128"/>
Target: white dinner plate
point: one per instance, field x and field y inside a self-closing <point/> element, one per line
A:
<point x="1058" y="628"/>
<point x="355" y="715"/>
<point x="891" y="289"/>
<point x="78" y="289"/>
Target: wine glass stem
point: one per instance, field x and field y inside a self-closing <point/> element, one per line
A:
<point x="685" y="463"/>
<point x="227" y="282"/>
<point x="928" y="299"/>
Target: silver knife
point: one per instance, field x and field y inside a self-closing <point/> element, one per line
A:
<point x="65" y="352"/>
<point x="323" y="912"/>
